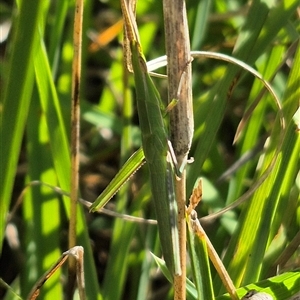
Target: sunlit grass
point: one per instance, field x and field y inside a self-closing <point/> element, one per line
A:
<point x="35" y="132"/>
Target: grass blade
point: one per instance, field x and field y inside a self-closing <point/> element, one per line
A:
<point x="16" y="98"/>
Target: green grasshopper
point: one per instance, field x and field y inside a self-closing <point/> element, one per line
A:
<point x="155" y="150"/>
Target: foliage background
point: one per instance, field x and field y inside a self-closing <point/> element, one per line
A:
<point x="35" y="124"/>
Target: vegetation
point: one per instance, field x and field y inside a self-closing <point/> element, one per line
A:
<point x="256" y="240"/>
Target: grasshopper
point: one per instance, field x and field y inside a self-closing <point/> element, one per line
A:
<point x="155" y="148"/>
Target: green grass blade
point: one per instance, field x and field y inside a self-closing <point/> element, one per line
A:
<point x="41" y="210"/>
<point x="56" y="126"/>
<point x="129" y="168"/>
<point x="202" y="15"/>
<point x="16" y="98"/>
<point x="217" y="96"/>
<point x="263" y="34"/>
<point x="252" y="131"/>
<point x="200" y="264"/>
<point x="259" y="215"/>
<point x="56" y="35"/>
<point x="60" y="153"/>
<point x="147" y="264"/>
<point x="118" y="262"/>
<point x="281" y="287"/>
<point x="11" y="293"/>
